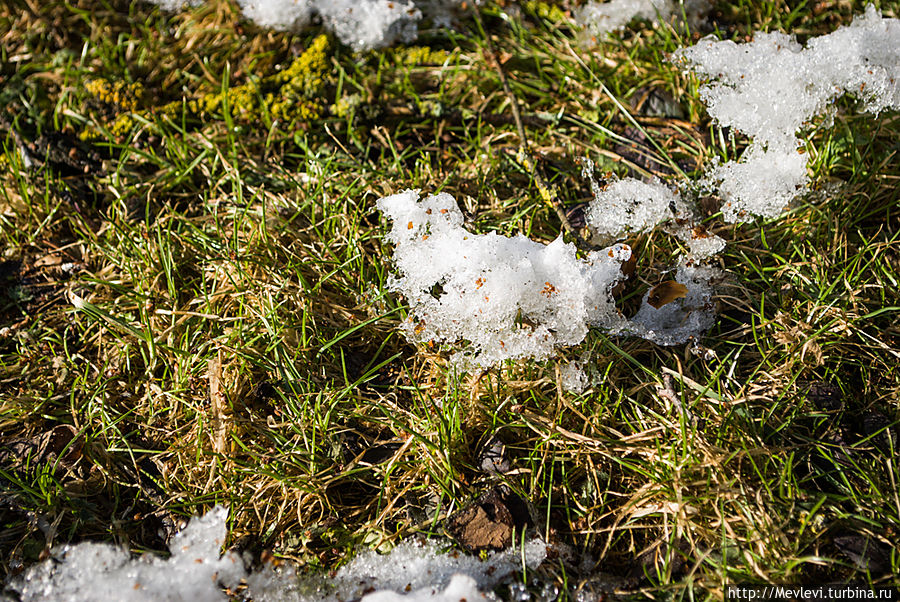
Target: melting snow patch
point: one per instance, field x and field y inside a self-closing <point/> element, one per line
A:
<point x="630" y="205"/>
<point x="195" y="572"/>
<point x="508" y="297"/>
<point x="682" y="319"/>
<point x="101" y="572"/>
<point x="412" y="571"/>
<point x="769" y="88"/>
<point x="361" y="24"/>
<point x="602" y="18"/>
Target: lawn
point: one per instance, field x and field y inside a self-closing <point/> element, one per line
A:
<point x="195" y="305"/>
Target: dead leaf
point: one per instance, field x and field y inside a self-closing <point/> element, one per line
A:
<point x="59" y="443"/>
<point x="666" y="292"/>
<point x="490" y="522"/>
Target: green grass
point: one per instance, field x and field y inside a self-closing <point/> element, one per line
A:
<point x="254" y="241"/>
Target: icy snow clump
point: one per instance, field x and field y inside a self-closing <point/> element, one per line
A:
<point x="361" y="24"/>
<point x="412" y="566"/>
<point x="771" y="87"/>
<point x="102" y="572"/>
<point x="602" y="18"/>
<point x="509" y="297"/>
<point x="627" y="206"/>
<point x="630" y="205"/>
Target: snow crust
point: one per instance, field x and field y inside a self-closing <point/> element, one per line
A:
<point x="101" y="572"/>
<point x="508" y="297"/>
<point x="603" y="18"/>
<point x="771" y="87"/>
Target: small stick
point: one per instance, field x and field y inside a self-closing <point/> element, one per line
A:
<point x="527" y="157"/>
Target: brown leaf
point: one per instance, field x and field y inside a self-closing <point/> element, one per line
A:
<point x="666" y="292"/>
<point x="59" y="443"/>
<point x="490" y="522"/>
<point x="629" y="265"/>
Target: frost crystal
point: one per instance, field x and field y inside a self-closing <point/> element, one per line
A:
<point x="602" y="18"/>
<point x="100" y="572"/>
<point x="509" y="297"/>
<point x="771" y="87"/>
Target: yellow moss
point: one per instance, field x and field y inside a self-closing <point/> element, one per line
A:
<point x="300" y="85"/>
<point x="125" y="97"/>
<point x="293" y="96"/>
<point x="544" y="10"/>
<point x="172" y="110"/>
<point x="547" y="194"/>
<point x="289" y="96"/>
<point x="122" y="125"/>
<point x="307" y="72"/>
<point x="419" y="55"/>
<point x="345" y="106"/>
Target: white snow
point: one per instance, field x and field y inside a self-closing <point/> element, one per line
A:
<point x="175" y="5"/>
<point x="461" y="587"/>
<point x="361" y="24"/>
<point x="573" y="378"/>
<point x="508" y="297"/>
<point x="629" y="206"/>
<point x="682" y="319"/>
<point x="278" y="14"/>
<point x="412" y="571"/>
<point x="371" y="24"/>
<point x="602" y="18"/>
<point x="102" y="572"/>
<point x="771" y="87"/>
<point x="196" y="572"/>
